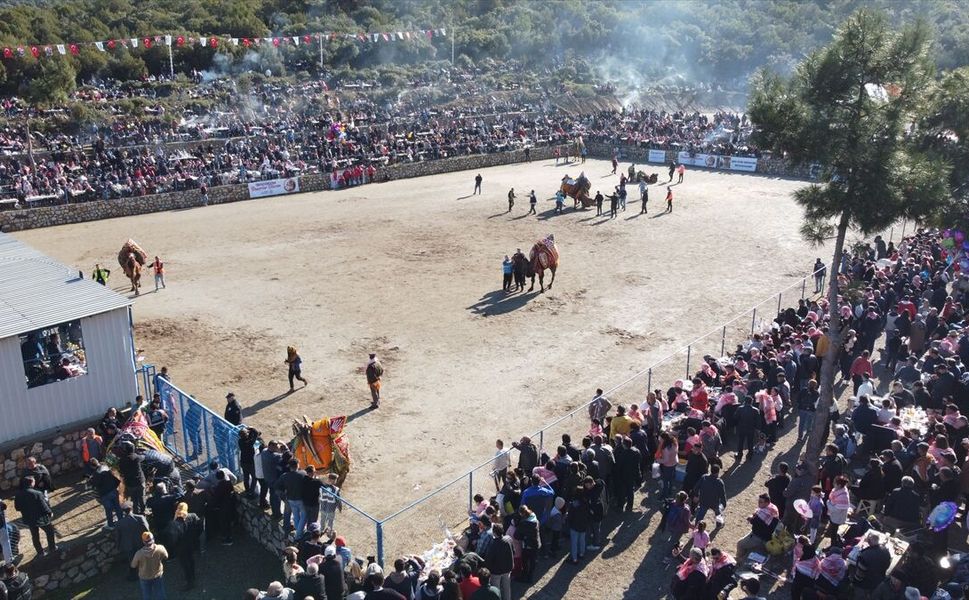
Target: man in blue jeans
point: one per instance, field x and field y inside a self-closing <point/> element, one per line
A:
<point x="807" y="405"/>
<point x="291" y="484"/>
<point x="105" y="486"/>
<point x="150" y="563"/>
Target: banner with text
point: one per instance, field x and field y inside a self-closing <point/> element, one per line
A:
<point x="738" y="163"/>
<point x="273" y="187"/>
<point x="657" y="156"/>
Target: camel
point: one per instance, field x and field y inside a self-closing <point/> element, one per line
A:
<point x="132" y="259"/>
<point x="578" y="190"/>
<point x="543" y="255"/>
<point x="132" y="270"/>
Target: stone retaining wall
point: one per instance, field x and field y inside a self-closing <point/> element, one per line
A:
<point x="60" y="455"/>
<point x="47" y="216"/>
<point x="259" y="525"/>
<point x="76" y="563"/>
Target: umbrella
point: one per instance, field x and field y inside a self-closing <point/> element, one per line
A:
<point x="942" y="516"/>
<point x="802" y="508"/>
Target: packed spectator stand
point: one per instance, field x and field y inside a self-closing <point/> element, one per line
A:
<point x="283" y="129"/>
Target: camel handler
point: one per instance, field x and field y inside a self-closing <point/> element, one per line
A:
<point x="374" y="372"/>
<point x="100" y="274"/>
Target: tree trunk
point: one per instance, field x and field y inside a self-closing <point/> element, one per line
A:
<point x="829" y="365"/>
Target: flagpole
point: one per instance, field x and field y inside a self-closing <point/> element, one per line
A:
<point x="451" y="27"/>
<point x="321" y="53"/>
<point x="171" y="62"/>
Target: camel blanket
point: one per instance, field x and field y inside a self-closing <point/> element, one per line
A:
<point x="130" y="247"/>
<point x="544" y="253"/>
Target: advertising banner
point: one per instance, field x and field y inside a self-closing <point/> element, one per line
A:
<point x="738" y="163"/>
<point x="657" y="156"/>
<point x="273" y="187"/>
<point x="708" y="161"/>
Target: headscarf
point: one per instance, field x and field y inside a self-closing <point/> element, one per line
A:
<point x="808" y="564"/>
<point x="725" y="560"/>
<point x="689" y="566"/>
<point x="833" y="568"/>
<point x="767" y="513"/>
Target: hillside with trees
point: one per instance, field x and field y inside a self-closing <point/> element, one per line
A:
<point x="713" y="43"/>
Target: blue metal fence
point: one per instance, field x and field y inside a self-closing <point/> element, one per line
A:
<point x="196" y="434"/>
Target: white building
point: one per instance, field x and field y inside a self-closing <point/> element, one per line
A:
<point x="66" y="346"/>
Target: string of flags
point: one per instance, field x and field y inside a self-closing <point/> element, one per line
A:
<point x="188" y="41"/>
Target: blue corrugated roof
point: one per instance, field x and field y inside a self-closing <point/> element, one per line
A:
<point x="36" y="291"/>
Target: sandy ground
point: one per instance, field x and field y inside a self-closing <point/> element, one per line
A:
<point x="412" y="270"/>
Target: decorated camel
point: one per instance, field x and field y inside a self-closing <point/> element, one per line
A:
<point x="578" y="190"/>
<point x="132" y="259"/>
<point x="322" y="444"/>
<point x="543" y="255"/>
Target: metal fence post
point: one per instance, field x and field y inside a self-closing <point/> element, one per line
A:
<point x="541" y="441"/>
<point x="753" y="320"/>
<point x="182" y="412"/>
<point x="891" y="234"/>
<point x="723" y="340"/>
<point x="470" y="490"/>
<point x="649" y="381"/>
<point x="689" y="350"/>
<point x="803" y="287"/>
<point x="903" y="230"/>
<point x="380" y="543"/>
<point x="205" y="432"/>
<point x="779" y="296"/>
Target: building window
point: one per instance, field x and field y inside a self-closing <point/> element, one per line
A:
<point x="53" y="354"/>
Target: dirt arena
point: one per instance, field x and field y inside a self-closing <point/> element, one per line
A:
<point x="411" y="270"/>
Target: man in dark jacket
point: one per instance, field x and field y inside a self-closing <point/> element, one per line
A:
<point x="748" y="421"/>
<point x="127" y="534"/>
<point x="332" y="570"/>
<point x="500" y="561"/>
<point x="902" y="506"/>
<point x="311" y="496"/>
<point x="162" y="505"/>
<point x="290" y="484"/>
<point x="183" y="535"/>
<point x="269" y="496"/>
<point x="527" y="455"/>
<point x="710" y="494"/>
<point x="872" y="565"/>
<point x="105" y="486"/>
<point x="891" y="470"/>
<point x="233" y="410"/>
<point x="133" y="477"/>
<point x="36" y="513"/>
<point x="798" y="489"/>
<point x="696" y="467"/>
<point x="247" y="458"/>
<point x="308" y="583"/>
<point x="629" y="473"/>
<point x="42" y="480"/>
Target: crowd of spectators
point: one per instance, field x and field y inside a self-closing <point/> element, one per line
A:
<point x="279" y="129"/>
<point x="898" y="450"/>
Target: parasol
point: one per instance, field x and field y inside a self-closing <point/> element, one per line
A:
<point x="802" y="508"/>
<point x="942" y="516"/>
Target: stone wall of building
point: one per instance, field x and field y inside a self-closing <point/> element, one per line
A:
<point x="61" y="454"/>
